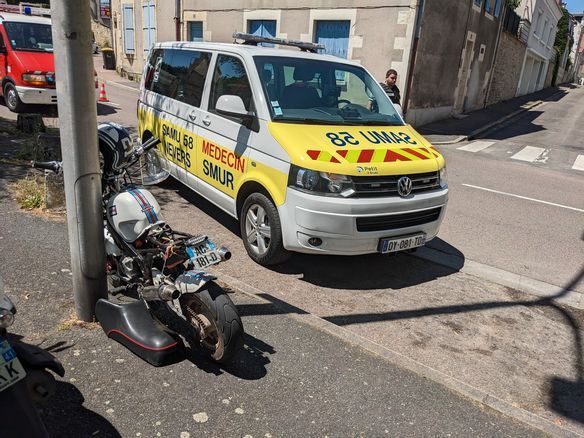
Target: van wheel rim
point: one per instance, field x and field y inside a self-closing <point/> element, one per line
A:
<point x="11" y="98"/>
<point x="257" y="229"/>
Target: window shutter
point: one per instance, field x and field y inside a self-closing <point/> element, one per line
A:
<point x="129" y="29"/>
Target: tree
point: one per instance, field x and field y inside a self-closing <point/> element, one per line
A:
<point x="513" y="4"/>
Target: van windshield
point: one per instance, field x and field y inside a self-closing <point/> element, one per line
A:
<point x="323" y="92"/>
<point x="35" y="37"/>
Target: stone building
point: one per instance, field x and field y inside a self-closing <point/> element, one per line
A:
<point x="540" y="18"/>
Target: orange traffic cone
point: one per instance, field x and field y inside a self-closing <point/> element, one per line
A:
<point x="102" y="96"/>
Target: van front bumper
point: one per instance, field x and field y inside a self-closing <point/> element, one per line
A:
<point x="342" y="224"/>
<point x="41" y="96"/>
<point x="37" y="96"/>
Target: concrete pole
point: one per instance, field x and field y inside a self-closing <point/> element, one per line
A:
<point x="75" y="79"/>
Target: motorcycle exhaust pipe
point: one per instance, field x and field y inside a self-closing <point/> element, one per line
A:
<point x="224" y="253"/>
<point x="165" y="292"/>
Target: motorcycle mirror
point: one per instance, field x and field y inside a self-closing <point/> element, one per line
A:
<point x="152" y="168"/>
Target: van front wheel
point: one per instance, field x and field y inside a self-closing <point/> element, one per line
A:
<point x="12" y="99"/>
<point x="261" y="230"/>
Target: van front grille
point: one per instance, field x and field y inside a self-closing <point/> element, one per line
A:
<point x="396" y="221"/>
<point x="378" y="186"/>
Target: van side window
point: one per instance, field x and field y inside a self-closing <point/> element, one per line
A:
<point x="190" y="68"/>
<point x="178" y="74"/>
<point x="230" y="78"/>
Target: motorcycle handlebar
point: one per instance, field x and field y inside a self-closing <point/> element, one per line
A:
<point x="53" y="166"/>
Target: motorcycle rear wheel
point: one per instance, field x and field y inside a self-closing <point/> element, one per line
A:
<point x="214" y="316"/>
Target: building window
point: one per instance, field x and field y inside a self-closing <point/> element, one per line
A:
<point x="477" y="5"/>
<point x="334" y="35"/>
<point x="497" y="10"/>
<point x="265" y="28"/>
<point x="128" y="29"/>
<point x="148" y="26"/>
<point x="195" y="31"/>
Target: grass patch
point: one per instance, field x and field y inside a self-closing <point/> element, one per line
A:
<point x="29" y="192"/>
<point x="72" y="322"/>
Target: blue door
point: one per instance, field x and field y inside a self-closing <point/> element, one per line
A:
<point x="265" y="28"/>
<point x="196" y="31"/>
<point x="334" y="34"/>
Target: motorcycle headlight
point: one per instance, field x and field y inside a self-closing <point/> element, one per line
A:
<point x="6" y="318"/>
<point x="320" y="183"/>
<point x="443" y="178"/>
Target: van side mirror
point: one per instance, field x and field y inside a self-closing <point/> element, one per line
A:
<point x="232" y="106"/>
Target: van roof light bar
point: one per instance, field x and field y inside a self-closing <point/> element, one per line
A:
<point x="253" y="40"/>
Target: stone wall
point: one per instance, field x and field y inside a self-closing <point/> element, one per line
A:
<point x="507" y="68"/>
<point x="103" y="36"/>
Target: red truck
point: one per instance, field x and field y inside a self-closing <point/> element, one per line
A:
<point x="27" y="64"/>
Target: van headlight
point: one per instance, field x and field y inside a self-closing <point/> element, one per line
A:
<point x="320" y="183"/>
<point x="443" y="178"/>
<point x="34" y="79"/>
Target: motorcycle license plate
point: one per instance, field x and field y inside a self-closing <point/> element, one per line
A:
<point x="401" y="243"/>
<point x="11" y="370"/>
<point x="204" y="254"/>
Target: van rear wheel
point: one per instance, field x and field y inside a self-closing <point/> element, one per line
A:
<point x="12" y="99"/>
<point x="261" y="230"/>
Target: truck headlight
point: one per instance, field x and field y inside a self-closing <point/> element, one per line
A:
<point x="320" y="183"/>
<point x="34" y="79"/>
<point x="443" y="178"/>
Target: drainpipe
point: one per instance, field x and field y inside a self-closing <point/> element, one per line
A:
<point x="177" y="19"/>
<point x="412" y="63"/>
<point x="499" y="32"/>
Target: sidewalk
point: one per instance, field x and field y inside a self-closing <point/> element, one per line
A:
<point x="467" y="126"/>
<point x="111" y="77"/>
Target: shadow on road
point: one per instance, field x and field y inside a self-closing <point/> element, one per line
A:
<point x="66" y="407"/>
<point x="522" y="125"/>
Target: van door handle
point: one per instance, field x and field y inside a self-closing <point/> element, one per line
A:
<point x="207" y="121"/>
<point x="193" y="116"/>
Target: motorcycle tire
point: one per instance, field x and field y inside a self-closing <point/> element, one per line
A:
<point x="214" y="316"/>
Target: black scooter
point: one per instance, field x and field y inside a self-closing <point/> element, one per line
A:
<point x="24" y="379"/>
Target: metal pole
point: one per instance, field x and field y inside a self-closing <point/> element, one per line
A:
<point x="78" y="125"/>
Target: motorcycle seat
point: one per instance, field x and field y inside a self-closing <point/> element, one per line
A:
<point x="132" y="326"/>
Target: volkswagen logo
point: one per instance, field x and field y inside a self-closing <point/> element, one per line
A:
<point x="404" y="186"/>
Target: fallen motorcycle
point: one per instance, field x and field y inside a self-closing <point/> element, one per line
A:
<point x="163" y="267"/>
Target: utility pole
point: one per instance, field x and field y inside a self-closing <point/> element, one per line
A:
<point x="75" y="79"/>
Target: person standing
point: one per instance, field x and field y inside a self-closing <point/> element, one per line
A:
<point x="390" y="87"/>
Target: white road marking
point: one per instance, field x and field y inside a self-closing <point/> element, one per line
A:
<point x="127" y="87"/>
<point x="476" y="146"/>
<point x="528" y="153"/>
<point x="579" y="163"/>
<point x="525" y="197"/>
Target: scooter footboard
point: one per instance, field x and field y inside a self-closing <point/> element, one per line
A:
<point x="132" y="326"/>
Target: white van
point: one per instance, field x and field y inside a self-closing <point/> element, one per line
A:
<point x="306" y="150"/>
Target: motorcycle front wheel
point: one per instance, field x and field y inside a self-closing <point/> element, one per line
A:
<point x="215" y="318"/>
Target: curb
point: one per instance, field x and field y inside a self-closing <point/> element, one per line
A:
<point x="452" y="383"/>
<point x="117" y="84"/>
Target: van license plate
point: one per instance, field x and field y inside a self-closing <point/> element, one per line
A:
<point x="11" y="370"/>
<point x="401" y="243"/>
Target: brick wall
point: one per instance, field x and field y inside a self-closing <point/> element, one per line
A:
<point x="507" y="68"/>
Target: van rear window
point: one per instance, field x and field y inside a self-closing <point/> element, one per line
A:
<point x="35" y="37"/>
<point x="178" y="74"/>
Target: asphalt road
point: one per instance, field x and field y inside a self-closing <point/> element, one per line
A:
<point x="490" y="220"/>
